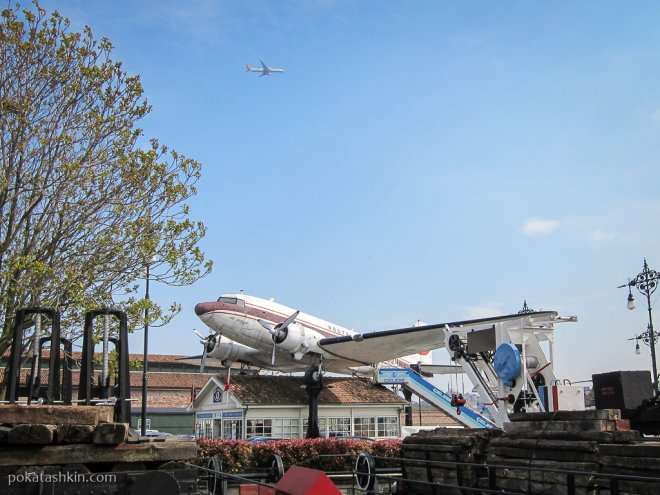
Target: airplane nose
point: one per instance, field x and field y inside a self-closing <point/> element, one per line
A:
<point x="203" y="308"/>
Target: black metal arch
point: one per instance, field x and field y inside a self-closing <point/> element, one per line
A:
<point x="123" y="391"/>
<point x="14" y="369"/>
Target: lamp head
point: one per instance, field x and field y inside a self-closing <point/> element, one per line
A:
<point x="631" y="300"/>
<point x="637" y="351"/>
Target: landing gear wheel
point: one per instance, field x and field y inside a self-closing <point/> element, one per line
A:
<point x="312" y="377"/>
<point x="365" y="472"/>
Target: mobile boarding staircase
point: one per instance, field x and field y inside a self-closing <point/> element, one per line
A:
<point x="417" y="384"/>
<point x="504" y="358"/>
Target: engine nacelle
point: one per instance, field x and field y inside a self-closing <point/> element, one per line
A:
<point x="294" y="340"/>
<point x="231" y="352"/>
<point x="363" y="371"/>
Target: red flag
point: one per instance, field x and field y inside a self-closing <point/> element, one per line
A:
<point x="227" y="380"/>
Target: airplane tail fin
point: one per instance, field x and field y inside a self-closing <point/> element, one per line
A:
<point x="425" y="357"/>
<point x="247" y="67"/>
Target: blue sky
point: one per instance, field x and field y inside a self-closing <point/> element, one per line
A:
<point x="418" y="160"/>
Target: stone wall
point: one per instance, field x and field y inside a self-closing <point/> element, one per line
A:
<point x="536" y="453"/>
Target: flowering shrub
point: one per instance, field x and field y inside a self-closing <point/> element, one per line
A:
<point x="387" y="448"/>
<point x="327" y="454"/>
<point x="234" y="454"/>
<point x="291" y="451"/>
<point x="342" y="452"/>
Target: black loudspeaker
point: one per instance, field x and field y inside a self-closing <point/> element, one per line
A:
<point x="622" y="390"/>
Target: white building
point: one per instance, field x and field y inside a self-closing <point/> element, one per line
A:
<point x="277" y="406"/>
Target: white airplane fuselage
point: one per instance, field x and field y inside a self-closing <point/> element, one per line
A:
<point x="264" y="70"/>
<point x="237" y="317"/>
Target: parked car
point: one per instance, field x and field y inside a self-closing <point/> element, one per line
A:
<point x="264" y="439"/>
<point x="156" y="433"/>
<point x="352" y="437"/>
<point x="188" y="436"/>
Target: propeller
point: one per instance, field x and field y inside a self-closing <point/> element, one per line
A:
<point x="278" y="332"/>
<point x="209" y="342"/>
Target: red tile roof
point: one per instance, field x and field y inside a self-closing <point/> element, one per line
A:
<point x="248" y="389"/>
<point x="256" y="389"/>
<point x="266" y="389"/>
<point x="171" y="380"/>
<point x="164" y="380"/>
<point x="151" y="358"/>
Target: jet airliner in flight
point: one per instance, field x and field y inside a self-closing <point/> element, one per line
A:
<point x="265" y="70"/>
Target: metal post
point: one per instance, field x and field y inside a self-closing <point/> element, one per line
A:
<point x="646" y="282"/>
<point x="652" y="343"/>
<point x="144" y="358"/>
<point x="105" y="372"/>
<point x="407" y="394"/>
<point x="313" y="386"/>
<point x="33" y="386"/>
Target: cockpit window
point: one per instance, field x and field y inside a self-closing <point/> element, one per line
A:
<point x="232" y="300"/>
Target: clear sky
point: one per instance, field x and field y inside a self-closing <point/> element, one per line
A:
<point x="418" y="160"/>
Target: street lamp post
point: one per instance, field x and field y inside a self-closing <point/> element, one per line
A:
<point x="144" y="358"/>
<point x="646" y="282"/>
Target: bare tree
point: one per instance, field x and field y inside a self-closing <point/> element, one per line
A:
<point x="82" y="206"/>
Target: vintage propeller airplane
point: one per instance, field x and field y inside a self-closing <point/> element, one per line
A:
<point x="501" y="355"/>
<point x="262" y="333"/>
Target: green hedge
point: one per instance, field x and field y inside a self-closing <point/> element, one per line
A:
<point x="240" y="456"/>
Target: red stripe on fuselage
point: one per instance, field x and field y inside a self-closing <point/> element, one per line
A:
<point x="267" y="314"/>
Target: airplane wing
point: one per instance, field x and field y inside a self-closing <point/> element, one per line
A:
<point x="265" y="67"/>
<point x="441" y="369"/>
<point x="197" y="360"/>
<point x="256" y="361"/>
<point x="375" y="347"/>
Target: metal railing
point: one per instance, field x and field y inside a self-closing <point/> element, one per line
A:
<point x="367" y="478"/>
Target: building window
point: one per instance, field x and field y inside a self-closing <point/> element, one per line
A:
<point x="339" y="427"/>
<point x="286" y="428"/>
<point x="139" y="426"/>
<point x="364" y="427"/>
<point x="323" y="427"/>
<point x="232" y="429"/>
<point x="259" y="428"/>
<point x="388" y="426"/>
<point x="204" y="428"/>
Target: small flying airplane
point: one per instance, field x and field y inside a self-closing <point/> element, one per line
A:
<point x="265" y="70"/>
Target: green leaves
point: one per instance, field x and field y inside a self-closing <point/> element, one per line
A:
<point x="81" y="206"/>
